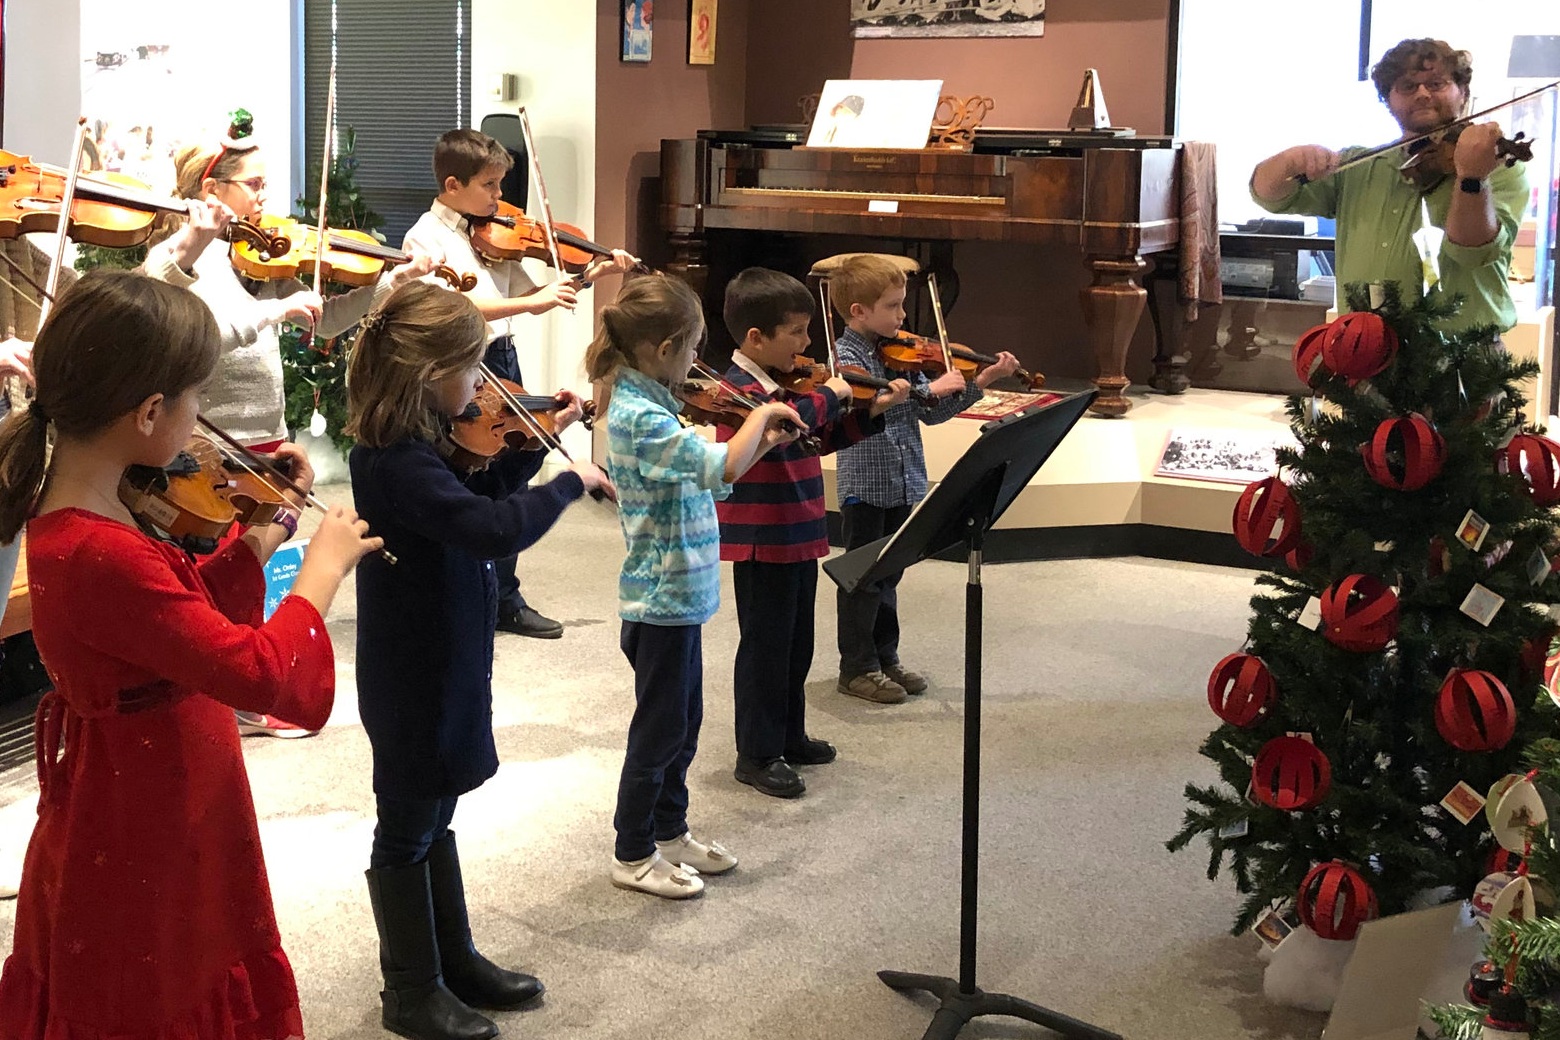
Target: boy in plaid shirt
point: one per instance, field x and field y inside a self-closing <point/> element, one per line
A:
<point x="881" y="479"/>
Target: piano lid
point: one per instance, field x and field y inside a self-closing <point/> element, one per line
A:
<point x="988" y="140"/>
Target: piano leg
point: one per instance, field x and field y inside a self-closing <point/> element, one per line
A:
<point x="689" y="259"/>
<point x="1112" y="307"/>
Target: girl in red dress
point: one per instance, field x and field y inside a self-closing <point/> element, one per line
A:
<point x="144" y="912"/>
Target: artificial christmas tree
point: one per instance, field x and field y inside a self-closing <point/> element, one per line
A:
<point x="1391" y="638"/>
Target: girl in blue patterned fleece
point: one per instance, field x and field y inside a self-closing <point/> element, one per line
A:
<point x="425" y="643"/>
<point x="667" y="477"/>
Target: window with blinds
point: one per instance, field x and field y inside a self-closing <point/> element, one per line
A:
<point x="402" y="69"/>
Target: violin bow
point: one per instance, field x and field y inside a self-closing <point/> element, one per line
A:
<point x="325" y="159"/>
<point x="1371" y="153"/>
<point x="537" y="430"/>
<point x="16" y="269"/>
<point x="937" y="312"/>
<point x="828" y="325"/>
<point x="266" y="471"/>
<point x="67" y="203"/>
<point x="534" y="161"/>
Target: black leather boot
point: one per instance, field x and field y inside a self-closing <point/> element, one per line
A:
<point x="469" y="975"/>
<point x="417" y="1004"/>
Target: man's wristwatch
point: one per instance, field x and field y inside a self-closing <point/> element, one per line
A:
<point x="1471" y="185"/>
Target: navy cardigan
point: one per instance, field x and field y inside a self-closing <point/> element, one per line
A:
<point x="425" y="624"/>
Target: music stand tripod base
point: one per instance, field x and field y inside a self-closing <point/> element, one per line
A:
<point x="957" y="1008"/>
<point x="963" y="506"/>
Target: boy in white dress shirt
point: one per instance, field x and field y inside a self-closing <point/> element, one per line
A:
<point x="470" y="168"/>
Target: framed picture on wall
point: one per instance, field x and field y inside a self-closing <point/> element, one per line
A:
<point x="636" y="30"/>
<point x="701" y="32"/>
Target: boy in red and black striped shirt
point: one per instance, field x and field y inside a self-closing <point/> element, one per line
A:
<point x="773" y="530"/>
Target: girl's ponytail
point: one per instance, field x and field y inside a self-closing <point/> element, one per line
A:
<point x="24" y="450"/>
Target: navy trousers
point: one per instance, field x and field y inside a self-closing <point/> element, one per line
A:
<point x="652" y="802"/>
<point x="503" y="362"/>
<point x="407" y="828"/>
<point x="775" y="607"/>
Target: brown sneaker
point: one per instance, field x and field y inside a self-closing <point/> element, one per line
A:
<point x="913" y="682"/>
<point x="873" y="686"/>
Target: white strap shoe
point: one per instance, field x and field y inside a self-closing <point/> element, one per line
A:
<point x="657" y="876"/>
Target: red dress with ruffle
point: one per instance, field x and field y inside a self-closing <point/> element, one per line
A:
<point x="145" y="913"/>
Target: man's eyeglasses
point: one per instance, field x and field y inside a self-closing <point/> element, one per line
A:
<point x="1408" y="88"/>
<point x="255" y="184"/>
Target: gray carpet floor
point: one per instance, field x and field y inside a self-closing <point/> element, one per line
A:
<point x="1094" y="707"/>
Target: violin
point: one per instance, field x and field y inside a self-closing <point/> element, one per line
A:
<point x="351" y="257"/>
<point x="491" y="425"/>
<point x="908" y="352"/>
<point x="110" y="210"/>
<point x="719" y="404"/>
<point x="1430" y="159"/>
<point x="198" y="497"/>
<point x="511" y="235"/>
<point x="806" y="375"/>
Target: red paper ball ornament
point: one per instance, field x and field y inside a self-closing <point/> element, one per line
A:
<point x="1267" y="518"/>
<point x="1537" y="460"/>
<point x="1474" y="711"/>
<point x="1296" y="558"/>
<point x="1290" y="774"/>
<point x="1308" y="355"/>
<point x="1535" y="652"/>
<point x="1359" y="345"/>
<point x="1359" y="613"/>
<point x="1405" y="454"/>
<point x="1335" y="900"/>
<point x="1240" y="689"/>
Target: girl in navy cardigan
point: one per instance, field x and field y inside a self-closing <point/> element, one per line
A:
<point x="425" y="643"/>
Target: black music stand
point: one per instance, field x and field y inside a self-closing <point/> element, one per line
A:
<point x="962" y="508"/>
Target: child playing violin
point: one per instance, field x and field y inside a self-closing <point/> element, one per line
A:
<point x="133" y="923"/>
<point x="425" y="643"/>
<point x="772" y="529"/>
<point x="247" y="396"/>
<point x="470" y="168"/>
<point x="668" y="477"/>
<point x="881" y="479"/>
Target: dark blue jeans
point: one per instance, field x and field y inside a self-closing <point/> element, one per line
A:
<point x="869" y="617"/>
<point x="407" y="827"/>
<point x="652" y="803"/>
<point x="503" y="362"/>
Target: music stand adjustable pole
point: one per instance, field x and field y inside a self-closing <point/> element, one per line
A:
<point x="963" y="1000"/>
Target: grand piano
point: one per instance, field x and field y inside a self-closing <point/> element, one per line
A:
<point x="1113" y="198"/>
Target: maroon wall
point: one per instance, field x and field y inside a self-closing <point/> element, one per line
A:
<point x="638" y="104"/>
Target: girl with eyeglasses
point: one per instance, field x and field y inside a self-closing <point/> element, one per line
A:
<point x="245" y="397"/>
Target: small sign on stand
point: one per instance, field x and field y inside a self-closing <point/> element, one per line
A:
<point x="281" y="570"/>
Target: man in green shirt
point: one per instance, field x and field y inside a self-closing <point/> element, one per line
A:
<point x="1424" y="83"/>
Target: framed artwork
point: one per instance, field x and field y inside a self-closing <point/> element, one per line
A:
<point x="701" y="32"/>
<point x="1225" y="456"/>
<point x="636" y="30"/>
<point x="903" y="19"/>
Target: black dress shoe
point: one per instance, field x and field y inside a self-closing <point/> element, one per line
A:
<point x="527" y="622"/>
<point x="774" y="777"/>
<point x="811" y="752"/>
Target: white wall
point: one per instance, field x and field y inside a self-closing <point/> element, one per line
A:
<point x="42" y="81"/>
<point x="557" y="88"/>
